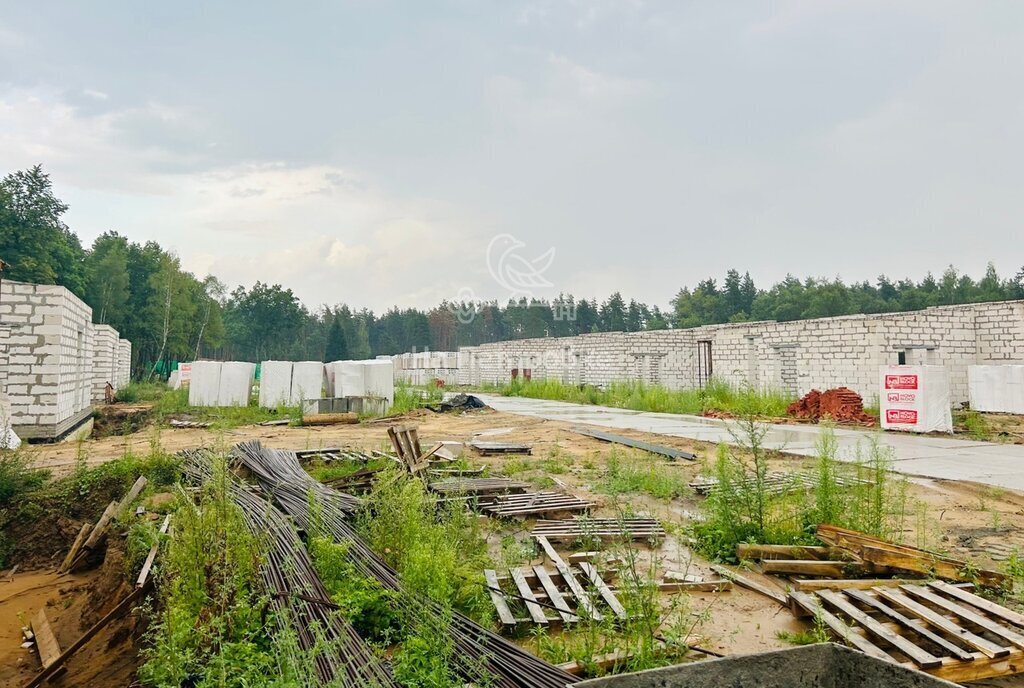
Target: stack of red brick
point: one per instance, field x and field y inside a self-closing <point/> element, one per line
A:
<point x="841" y="404"/>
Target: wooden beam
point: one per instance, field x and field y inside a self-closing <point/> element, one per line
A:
<point x="748" y="551"/>
<point x="77" y="545"/>
<point x="805" y="567"/>
<point x="695" y="586"/>
<point x="609" y="597"/>
<point x="806" y="585"/>
<point x="583" y="600"/>
<point x="744" y="582"/>
<point x="46" y="641"/>
<point x="979" y="602"/>
<point x="133" y="493"/>
<point x="966" y="614"/>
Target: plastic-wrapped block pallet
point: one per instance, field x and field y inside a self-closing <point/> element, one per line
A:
<point x="204" y="389"/>
<point x="275" y="383"/>
<point x="307" y="381"/>
<point x="915" y="398"/>
<point x="349" y="379"/>
<point x="236" y="378"/>
<point x="8" y="438"/>
<point x="380" y="380"/>
<point x="996" y="388"/>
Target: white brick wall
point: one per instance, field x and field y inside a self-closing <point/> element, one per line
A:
<point x="797" y="356"/>
<point x="104" y="361"/>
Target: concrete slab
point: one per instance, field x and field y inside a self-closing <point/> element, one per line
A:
<point x="945" y="458"/>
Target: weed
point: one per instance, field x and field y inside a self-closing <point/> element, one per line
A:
<point x="632" y="472"/>
<point x="409" y="397"/>
<point x="716" y="396"/>
<point x="975" y="425"/>
<point x="818" y="633"/>
<point x="17" y="477"/>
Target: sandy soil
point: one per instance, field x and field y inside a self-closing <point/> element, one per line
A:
<point x="964" y="518"/>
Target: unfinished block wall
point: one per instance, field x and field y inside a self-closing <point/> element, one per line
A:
<point x="123" y="367"/>
<point x="48" y="344"/>
<point x="792" y="356"/>
<point x="105" y="350"/>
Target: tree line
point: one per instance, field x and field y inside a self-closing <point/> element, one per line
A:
<point x="170" y="314"/>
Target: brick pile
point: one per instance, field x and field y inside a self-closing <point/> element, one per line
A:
<point x="841" y="404"/>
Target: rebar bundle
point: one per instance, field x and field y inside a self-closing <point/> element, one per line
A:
<point x="480" y="655"/>
<point x="298" y="598"/>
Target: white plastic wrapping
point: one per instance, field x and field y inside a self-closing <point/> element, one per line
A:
<point x="8" y="438"/>
<point x="379" y="379"/>
<point x="349" y="379"/>
<point x="307" y="381"/>
<point x="915" y="398"/>
<point x="275" y="383"/>
<point x="204" y="388"/>
<point x="236" y="378"/>
<point x="996" y="388"/>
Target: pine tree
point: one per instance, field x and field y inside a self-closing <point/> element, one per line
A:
<point x="337" y="347"/>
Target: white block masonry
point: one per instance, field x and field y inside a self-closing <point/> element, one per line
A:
<point x="996" y="388"/>
<point x="307" y="381"/>
<point x="204" y="389"/>
<point x="236" y="380"/>
<point x="105" y="359"/>
<point x="275" y="383"/>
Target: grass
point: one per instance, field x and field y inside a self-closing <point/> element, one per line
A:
<point x="716" y="396"/>
<point x="741" y="508"/>
<point x="213" y="628"/>
<point x="409" y="397"/>
<point x="326" y="472"/>
<point x="631" y="472"/>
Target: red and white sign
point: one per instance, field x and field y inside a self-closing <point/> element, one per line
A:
<point x="907" y="416"/>
<point x="901" y="381"/>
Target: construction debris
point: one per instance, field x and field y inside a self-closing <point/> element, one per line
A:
<point x="535" y="504"/>
<point x="750" y="584"/>
<point x="661" y="450"/>
<point x="493" y="448"/>
<point x="331" y="419"/>
<point x="478" y="486"/>
<point x="459" y="402"/>
<point x="773" y="484"/>
<point x="840" y="404"/>
<point x="175" y="423"/>
<point x="599" y="529"/>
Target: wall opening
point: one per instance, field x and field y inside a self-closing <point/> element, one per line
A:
<point x="705" y="364"/>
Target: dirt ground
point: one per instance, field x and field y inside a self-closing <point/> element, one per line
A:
<point x="964" y="518"/>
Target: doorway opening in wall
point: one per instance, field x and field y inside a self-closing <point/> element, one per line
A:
<point x="705" y="365"/>
<point x="901" y="358"/>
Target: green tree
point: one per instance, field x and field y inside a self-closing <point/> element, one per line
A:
<point x="109" y="284"/>
<point x="337" y="348"/>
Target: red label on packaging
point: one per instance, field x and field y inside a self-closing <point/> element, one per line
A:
<point x="905" y="416"/>
<point x="901" y="381"/>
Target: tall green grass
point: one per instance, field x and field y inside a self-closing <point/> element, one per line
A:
<point x="638" y="396"/>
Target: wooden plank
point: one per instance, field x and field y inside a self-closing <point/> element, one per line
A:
<point x="921" y="657"/>
<point x="805" y="567"/>
<point x="609" y="597"/>
<point x="942" y="623"/>
<point x="133" y="493"/>
<point x="123" y="607"/>
<point x="839" y="627"/>
<point x="659" y="449"/>
<point x="993" y="627"/>
<point x="504" y="613"/>
<point x="981" y="668"/>
<point x="46" y="641"/>
<point x="806" y="585"/>
<point x="980" y="602"/>
<point x="144" y="573"/>
<point x="696" y="586"/>
<point x="747" y="551"/>
<point x="556" y="598"/>
<point x="915" y="625"/>
<point x="582" y="597"/>
<point x="100" y="529"/>
<point x="744" y="582"/>
<point x="77" y="545"/>
<point x="535" y="610"/>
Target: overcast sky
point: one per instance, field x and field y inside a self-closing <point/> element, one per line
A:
<point x="367" y="151"/>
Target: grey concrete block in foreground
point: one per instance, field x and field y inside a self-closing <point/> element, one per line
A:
<point x="813" y="666"/>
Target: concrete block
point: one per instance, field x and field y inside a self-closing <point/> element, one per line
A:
<point x="204" y="390"/>
<point x="236" y="380"/>
<point x="307" y="381"/>
<point x="275" y="383"/>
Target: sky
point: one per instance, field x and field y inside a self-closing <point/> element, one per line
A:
<point x="371" y="151"/>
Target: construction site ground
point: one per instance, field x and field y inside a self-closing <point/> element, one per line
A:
<point x="966" y="519"/>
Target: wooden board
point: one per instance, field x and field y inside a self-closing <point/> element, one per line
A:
<point x="602" y="588"/>
<point x="535" y="610"/>
<point x="744" y="582"/>
<point x="46" y="641"/>
<point x="839" y="627"/>
<point x="583" y="600"/>
<point x="659" y="449"/>
<point x="831" y="569"/>
<point x="846" y="583"/>
<point x="554" y="596"/>
<point x="77" y="545"/>
<point x="696" y="586"/>
<point x="504" y="613"/>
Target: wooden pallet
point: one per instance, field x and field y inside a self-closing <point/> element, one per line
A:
<point x="535" y="504"/>
<point x="542" y="597"/>
<point x="492" y="448"/>
<point x="774" y="483"/>
<point x="478" y="486"/>
<point x="660" y="449"/>
<point x="939" y="628"/>
<point x="599" y="528"/>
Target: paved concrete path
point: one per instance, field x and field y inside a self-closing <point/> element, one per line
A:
<point x="1001" y="465"/>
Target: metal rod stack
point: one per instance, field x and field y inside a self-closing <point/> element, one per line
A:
<point x="298" y="597"/>
<point x="481" y="656"/>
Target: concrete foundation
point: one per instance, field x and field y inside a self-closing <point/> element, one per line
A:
<point x="791" y="356"/>
<point x="814" y="666"/>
